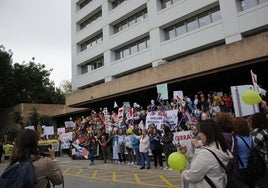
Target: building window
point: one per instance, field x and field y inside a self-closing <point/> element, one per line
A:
<point x="117" y="3"/>
<point x="204" y="19"/>
<point x="168" y="3"/>
<point x="91" y="20"/>
<point x="83" y="4"/>
<point x="132" y="48"/>
<point x="180" y="29"/>
<point x="247" y="4"/>
<point x="193" y="23"/>
<point x="91" y="42"/>
<point x="215" y="15"/>
<point x="93" y="65"/>
<point x="138" y="17"/>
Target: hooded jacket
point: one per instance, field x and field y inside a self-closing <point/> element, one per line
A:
<point x="204" y="163"/>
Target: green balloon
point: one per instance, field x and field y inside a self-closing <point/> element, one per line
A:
<point x="251" y="97"/>
<point x="177" y="161"/>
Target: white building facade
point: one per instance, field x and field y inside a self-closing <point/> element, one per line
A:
<point x="114" y="38"/>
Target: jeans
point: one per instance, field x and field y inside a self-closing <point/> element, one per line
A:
<point x="145" y="156"/>
<point x="91" y="154"/>
<point x="138" y="156"/>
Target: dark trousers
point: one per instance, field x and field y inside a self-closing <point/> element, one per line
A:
<point x="106" y="152"/>
<point x="91" y="154"/>
<point x="122" y="157"/>
<point x="157" y="156"/>
<point x="130" y="153"/>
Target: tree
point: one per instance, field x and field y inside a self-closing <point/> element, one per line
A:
<point x="18" y="119"/>
<point x="34" y="118"/>
<point x="66" y="87"/>
<point x="26" y="83"/>
<point x="6" y="77"/>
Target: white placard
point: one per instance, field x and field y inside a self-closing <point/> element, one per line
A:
<point x="241" y="109"/>
<point x="69" y="124"/>
<point x="61" y="130"/>
<point x="30" y="127"/>
<point x="49" y="130"/>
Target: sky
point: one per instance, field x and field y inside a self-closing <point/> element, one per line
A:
<point x="40" y="29"/>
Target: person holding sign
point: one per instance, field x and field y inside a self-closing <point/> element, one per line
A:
<point x="203" y="162"/>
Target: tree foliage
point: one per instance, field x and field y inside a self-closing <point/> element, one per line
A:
<point x="26" y="83"/>
<point x="66" y="87"/>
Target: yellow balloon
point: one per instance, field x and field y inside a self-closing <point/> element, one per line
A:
<point x="251" y="97"/>
<point x="177" y="161"/>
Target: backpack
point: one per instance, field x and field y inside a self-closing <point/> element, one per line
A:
<point x="18" y="175"/>
<point x="256" y="164"/>
<point x="234" y="180"/>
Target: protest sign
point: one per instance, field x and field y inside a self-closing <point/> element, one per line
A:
<point x="30" y="127"/>
<point x="65" y="139"/>
<point x="162" y="91"/>
<point x="48" y="130"/>
<point x="69" y="124"/>
<point x="159" y="117"/>
<point x="183" y="138"/>
<point x="60" y="130"/>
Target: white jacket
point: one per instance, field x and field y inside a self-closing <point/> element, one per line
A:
<point x="204" y="163"/>
<point x="144" y="143"/>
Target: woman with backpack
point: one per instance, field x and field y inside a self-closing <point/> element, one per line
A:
<point x="225" y="121"/>
<point x="259" y="124"/>
<point x="242" y="133"/>
<point x="45" y="170"/>
<point x="202" y="162"/>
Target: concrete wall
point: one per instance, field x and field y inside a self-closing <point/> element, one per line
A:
<point x="50" y="110"/>
<point x="233" y="26"/>
<point x="205" y="62"/>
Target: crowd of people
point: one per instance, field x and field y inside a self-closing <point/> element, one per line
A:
<point x="212" y="122"/>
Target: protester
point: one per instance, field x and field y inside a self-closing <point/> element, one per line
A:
<point x="259" y="125"/>
<point x="136" y="145"/>
<point x="121" y="146"/>
<point x="7" y="150"/>
<point x="105" y="142"/>
<point x="168" y="146"/>
<point x="26" y="148"/>
<point x="203" y="162"/>
<point x="242" y="131"/>
<point x="129" y="146"/>
<point x="115" y="145"/>
<point x="155" y="146"/>
<point x="91" y="145"/>
<point x="259" y="133"/>
<point x="225" y="121"/>
<point x="144" y="148"/>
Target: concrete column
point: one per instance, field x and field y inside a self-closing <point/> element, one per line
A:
<point x="229" y="12"/>
<point x="107" y="54"/>
<point x="154" y="32"/>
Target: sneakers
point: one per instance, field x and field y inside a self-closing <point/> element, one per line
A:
<point x="166" y="168"/>
<point x="132" y="163"/>
<point x="92" y="163"/>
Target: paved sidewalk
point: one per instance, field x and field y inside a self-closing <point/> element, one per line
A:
<point x="100" y="165"/>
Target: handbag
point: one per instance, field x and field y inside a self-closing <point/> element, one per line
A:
<point x="234" y="180"/>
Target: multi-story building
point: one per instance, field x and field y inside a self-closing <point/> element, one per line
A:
<point x="126" y="47"/>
